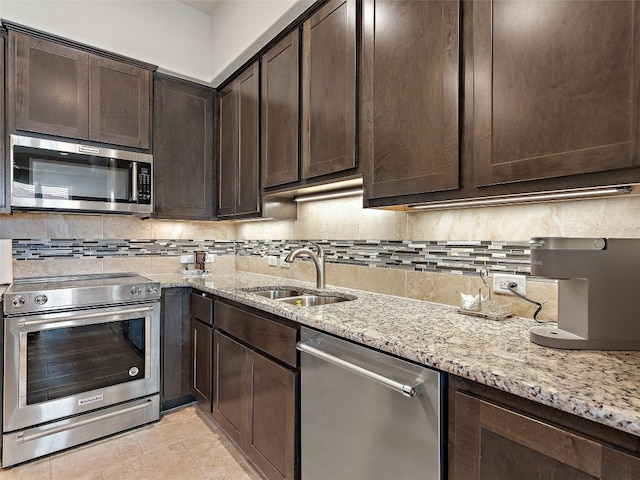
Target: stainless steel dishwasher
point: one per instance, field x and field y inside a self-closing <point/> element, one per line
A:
<point x="366" y="415"/>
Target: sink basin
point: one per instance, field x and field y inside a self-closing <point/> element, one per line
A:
<point x="313" y="300"/>
<point x="278" y="294"/>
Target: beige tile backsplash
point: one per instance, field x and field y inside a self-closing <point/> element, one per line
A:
<point x="342" y="219"/>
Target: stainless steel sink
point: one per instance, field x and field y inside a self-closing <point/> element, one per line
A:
<point x="301" y="298"/>
<point x="278" y="294"/>
<point x="313" y="300"/>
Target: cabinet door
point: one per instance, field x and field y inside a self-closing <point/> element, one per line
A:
<point x="248" y="190"/>
<point x="227" y="151"/>
<point x="49" y="87"/>
<point x="229" y="408"/>
<point x="176" y="348"/>
<point x="271" y="417"/>
<point x="183" y="151"/>
<point x="120" y="103"/>
<point x="410" y="78"/>
<point x="496" y="443"/>
<point x="555" y="89"/>
<point x="329" y="89"/>
<point x="280" y="112"/>
<point x="202" y="357"/>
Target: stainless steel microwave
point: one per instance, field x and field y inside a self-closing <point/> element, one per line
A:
<point x="54" y="175"/>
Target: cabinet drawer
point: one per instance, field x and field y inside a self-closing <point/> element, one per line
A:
<point x="273" y="338"/>
<point x="202" y="308"/>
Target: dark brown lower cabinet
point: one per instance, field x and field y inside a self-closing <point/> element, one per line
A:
<point x="202" y="345"/>
<point x="255" y="394"/>
<point x="492" y="441"/>
<point x="175" y="384"/>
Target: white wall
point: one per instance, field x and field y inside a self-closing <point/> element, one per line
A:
<point x="166" y="33"/>
<point x="240" y="28"/>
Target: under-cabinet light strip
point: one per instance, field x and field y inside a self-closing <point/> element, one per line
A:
<point x="525" y="198"/>
<point x="352" y="192"/>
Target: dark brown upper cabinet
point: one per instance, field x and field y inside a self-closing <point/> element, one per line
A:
<point x="329" y="78"/>
<point x="60" y="90"/>
<point x="410" y="76"/>
<point x="238" y="146"/>
<point x="280" y="112"/>
<point x="183" y="150"/>
<point x="555" y="89"/>
<point x="119" y="103"/>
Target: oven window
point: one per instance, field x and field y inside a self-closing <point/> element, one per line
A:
<point x="71" y="360"/>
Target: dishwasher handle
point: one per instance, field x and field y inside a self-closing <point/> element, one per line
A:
<point x="406" y="390"/>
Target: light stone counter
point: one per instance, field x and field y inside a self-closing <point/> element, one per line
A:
<point x="603" y="386"/>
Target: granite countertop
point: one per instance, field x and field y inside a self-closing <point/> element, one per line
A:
<point x="603" y="386"/>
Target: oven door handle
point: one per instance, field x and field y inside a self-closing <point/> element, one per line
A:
<point x="22" y="323"/>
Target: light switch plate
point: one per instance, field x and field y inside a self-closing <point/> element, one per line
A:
<point x="273" y="261"/>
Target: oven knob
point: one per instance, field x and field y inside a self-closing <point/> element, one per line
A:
<point x="40" y="299"/>
<point x="136" y="291"/>
<point x="152" y="290"/>
<point x="17" y="301"/>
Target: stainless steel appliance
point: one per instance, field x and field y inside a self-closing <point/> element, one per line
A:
<point x="366" y="415"/>
<point x="81" y="361"/>
<point x="49" y="174"/>
<point x="598" y="281"/>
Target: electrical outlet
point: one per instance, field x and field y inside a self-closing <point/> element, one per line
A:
<point x="187" y="258"/>
<point x="502" y="280"/>
<point x="284" y="264"/>
<point x="273" y="261"/>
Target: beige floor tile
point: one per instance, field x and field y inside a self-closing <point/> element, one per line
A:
<point x="172" y="429"/>
<point x="169" y="462"/>
<point x="37" y="470"/>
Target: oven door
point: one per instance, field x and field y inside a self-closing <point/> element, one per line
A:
<point x="62" y="364"/>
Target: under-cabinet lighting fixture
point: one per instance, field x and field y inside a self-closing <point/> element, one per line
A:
<point x="351" y="192"/>
<point x="526" y="198"/>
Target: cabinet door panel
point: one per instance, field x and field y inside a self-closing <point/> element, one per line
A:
<point x="50" y="85"/>
<point x="556" y="89"/>
<point x="248" y="141"/>
<point x="229" y="401"/>
<point x="119" y="103"/>
<point x="493" y="442"/>
<point x="280" y="112"/>
<point x="227" y="151"/>
<point x="202" y="357"/>
<point x="329" y="90"/>
<point x="183" y="151"/>
<point x="271" y="417"/>
<point x="410" y="97"/>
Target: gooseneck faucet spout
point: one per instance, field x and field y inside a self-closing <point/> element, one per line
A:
<point x="318" y="260"/>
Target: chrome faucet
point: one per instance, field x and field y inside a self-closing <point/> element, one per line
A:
<point x="318" y="259"/>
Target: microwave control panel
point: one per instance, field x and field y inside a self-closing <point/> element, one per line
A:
<point x="144" y="184"/>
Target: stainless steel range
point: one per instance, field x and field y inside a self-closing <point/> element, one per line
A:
<point x="81" y="361"/>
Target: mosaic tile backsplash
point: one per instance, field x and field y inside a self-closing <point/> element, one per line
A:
<point x="463" y="257"/>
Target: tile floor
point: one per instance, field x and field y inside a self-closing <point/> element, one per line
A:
<point x="181" y="446"/>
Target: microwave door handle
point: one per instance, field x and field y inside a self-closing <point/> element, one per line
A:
<point x="134" y="182"/>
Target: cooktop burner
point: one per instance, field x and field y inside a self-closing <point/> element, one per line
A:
<point x="32" y="295"/>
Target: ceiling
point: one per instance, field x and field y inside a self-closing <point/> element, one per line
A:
<point x="206" y="6"/>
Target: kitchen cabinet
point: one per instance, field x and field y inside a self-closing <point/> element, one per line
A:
<point x="555" y="89"/>
<point x="175" y="339"/>
<point x="183" y="150"/>
<point x="494" y="435"/>
<point x="239" y="146"/>
<point x="202" y="306"/>
<point x="410" y="75"/>
<point x="58" y="89"/>
<point x="329" y="102"/>
<point x="5" y="163"/>
<point x="280" y="114"/>
<point x="256" y="385"/>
